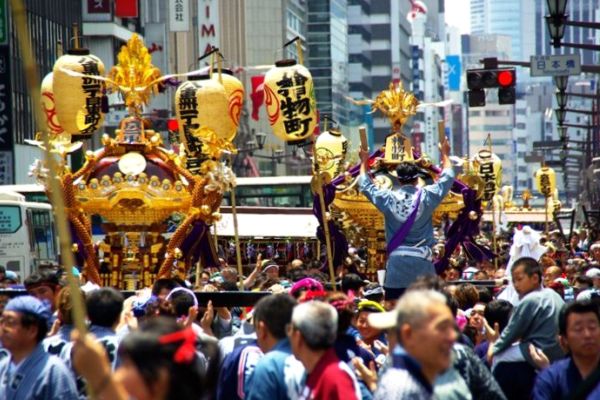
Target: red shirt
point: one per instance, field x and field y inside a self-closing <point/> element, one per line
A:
<point x="330" y="380"/>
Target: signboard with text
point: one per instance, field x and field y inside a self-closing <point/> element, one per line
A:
<point x="208" y="25"/>
<point x="548" y="144"/>
<point x="179" y="11"/>
<point x="567" y="64"/>
<point x="453" y="72"/>
<point x="6" y="135"/>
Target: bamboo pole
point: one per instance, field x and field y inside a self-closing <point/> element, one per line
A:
<point x="317" y="175"/>
<point x="546" y="216"/>
<point x="56" y="194"/>
<point x="198" y="270"/>
<point x="238" y="255"/>
<point x="494" y="241"/>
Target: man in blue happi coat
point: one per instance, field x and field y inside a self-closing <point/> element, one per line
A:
<point x="30" y="373"/>
<point x="407" y="210"/>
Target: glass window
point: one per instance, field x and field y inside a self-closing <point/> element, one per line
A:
<point x="10" y="219"/>
<point x="274" y="196"/>
<point x="42" y="234"/>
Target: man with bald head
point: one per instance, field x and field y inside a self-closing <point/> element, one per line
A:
<point x="550" y="274"/>
<point x="425" y="333"/>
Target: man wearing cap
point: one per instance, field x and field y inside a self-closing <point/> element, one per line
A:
<point x="271" y="269"/>
<point x="424" y="329"/>
<point x="408" y="228"/>
<point x="30" y="372"/>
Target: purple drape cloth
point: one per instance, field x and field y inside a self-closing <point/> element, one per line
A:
<point x="196" y="244"/>
<point x="339" y="244"/>
<point x="463" y="230"/>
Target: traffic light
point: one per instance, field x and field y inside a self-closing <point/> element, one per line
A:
<point x="502" y="78"/>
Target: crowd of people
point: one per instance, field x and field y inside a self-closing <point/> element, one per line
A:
<point x="525" y="325"/>
<point x="441" y="339"/>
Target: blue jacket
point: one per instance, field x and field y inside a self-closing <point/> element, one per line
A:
<point x="40" y="376"/>
<point x="559" y="381"/>
<point x="237" y="368"/>
<point x="277" y="376"/>
<point x="396" y="205"/>
<point x="413" y="257"/>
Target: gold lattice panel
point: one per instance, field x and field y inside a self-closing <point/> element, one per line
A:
<point x="131" y="200"/>
<point x="359" y="209"/>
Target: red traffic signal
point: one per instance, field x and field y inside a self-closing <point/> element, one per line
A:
<point x="506" y="77"/>
<point x="490" y="78"/>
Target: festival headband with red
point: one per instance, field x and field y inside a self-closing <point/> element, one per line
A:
<point x="187" y="349"/>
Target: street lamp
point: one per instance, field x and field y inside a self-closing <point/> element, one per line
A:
<point x="561" y="82"/>
<point x="561" y="99"/>
<point x="556" y="20"/>
<point x="560" y="116"/>
<point x="260" y="139"/>
<point x="562" y="132"/>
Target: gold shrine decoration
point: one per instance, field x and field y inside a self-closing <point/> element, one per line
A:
<point x="331" y="147"/>
<point x="290" y="101"/>
<point x="545" y="181"/>
<point x="489" y="168"/>
<point x="202" y="103"/>
<point x="396" y="104"/>
<point x="398" y="149"/>
<point x="134" y="75"/>
<point x="235" y="93"/>
<point x="78" y="99"/>
<point x="49" y="106"/>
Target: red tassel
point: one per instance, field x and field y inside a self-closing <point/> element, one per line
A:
<point x="187" y="350"/>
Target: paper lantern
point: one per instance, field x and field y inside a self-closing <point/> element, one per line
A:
<point x="489" y="168"/>
<point x="290" y="101"/>
<point x="48" y="106"/>
<point x="545" y="181"/>
<point x="78" y="99"/>
<point x="235" y="93"/>
<point x="202" y="102"/>
<point x="331" y="147"/>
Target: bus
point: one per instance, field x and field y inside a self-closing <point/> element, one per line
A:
<point x="27" y="235"/>
<point x="273" y="191"/>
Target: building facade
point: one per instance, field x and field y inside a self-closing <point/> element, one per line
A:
<point x="49" y="23"/>
<point x="327" y="58"/>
